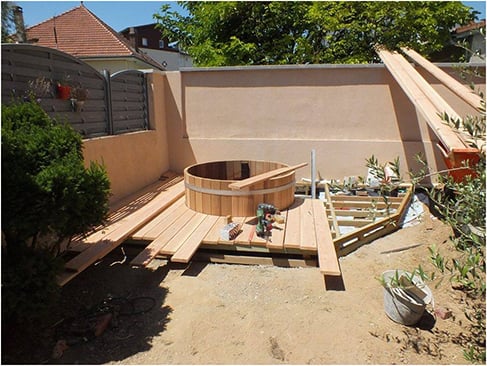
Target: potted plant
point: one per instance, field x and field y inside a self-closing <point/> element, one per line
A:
<point x="405" y="295"/>
<point x="63" y="88"/>
<point x="78" y="97"/>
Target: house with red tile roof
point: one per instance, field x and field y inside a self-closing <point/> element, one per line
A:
<point x="82" y="34"/>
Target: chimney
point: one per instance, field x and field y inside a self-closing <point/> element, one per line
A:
<point x="132" y="38"/>
<point x="19" y="24"/>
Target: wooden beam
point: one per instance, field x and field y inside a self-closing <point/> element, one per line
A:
<point x="449" y="138"/>
<point x="441" y="105"/>
<point x="254" y="260"/>
<point x="264" y="176"/>
<point x="455" y="86"/>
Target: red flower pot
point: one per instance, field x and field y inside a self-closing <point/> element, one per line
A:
<point x="63" y="92"/>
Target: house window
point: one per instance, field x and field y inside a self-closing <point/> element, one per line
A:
<point x="161" y="43"/>
<point x="144" y="42"/>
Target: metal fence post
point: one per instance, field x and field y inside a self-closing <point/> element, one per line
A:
<point x="108" y="96"/>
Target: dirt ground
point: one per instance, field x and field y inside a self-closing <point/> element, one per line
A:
<point x="236" y="314"/>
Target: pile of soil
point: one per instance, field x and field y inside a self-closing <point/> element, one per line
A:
<point x="236" y="314"/>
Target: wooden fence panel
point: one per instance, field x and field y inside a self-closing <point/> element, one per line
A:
<point x="129" y="101"/>
<point x="113" y="105"/>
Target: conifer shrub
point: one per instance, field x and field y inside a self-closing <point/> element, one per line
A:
<point x="48" y="196"/>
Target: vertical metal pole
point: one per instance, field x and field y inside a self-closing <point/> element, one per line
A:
<point x="108" y="97"/>
<point x="313" y="173"/>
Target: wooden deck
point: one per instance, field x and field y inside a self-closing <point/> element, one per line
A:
<point x="311" y="232"/>
<point x="179" y="231"/>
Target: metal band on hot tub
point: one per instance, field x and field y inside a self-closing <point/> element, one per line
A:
<point x="219" y="192"/>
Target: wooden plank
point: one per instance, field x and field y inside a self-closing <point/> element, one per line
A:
<point x="332" y="211"/>
<point x="396" y="200"/>
<point x="445" y="134"/>
<point x="255" y="260"/>
<point x="182" y="233"/>
<point x="292" y="236"/>
<point x="190" y="246"/>
<point x="278" y="233"/>
<point x="359" y="213"/>
<point x="440" y="104"/>
<point x="125" y="215"/>
<point x="455" y="86"/>
<point x="212" y="237"/>
<point x="132" y="223"/>
<point x="327" y="256"/>
<point x="378" y="204"/>
<point x="308" y="237"/>
<point x="150" y="251"/>
<point x="151" y="230"/>
<point x="264" y="176"/>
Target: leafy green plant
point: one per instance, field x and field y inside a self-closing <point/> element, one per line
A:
<point x="47" y="189"/>
<point x="48" y="196"/>
<point x="461" y="204"/>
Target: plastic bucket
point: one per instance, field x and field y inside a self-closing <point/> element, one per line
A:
<point x="401" y="306"/>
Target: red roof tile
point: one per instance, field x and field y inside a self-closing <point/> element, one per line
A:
<point x="81" y="33"/>
<point x="470" y="26"/>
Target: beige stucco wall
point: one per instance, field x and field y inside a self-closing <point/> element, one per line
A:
<point x="134" y="160"/>
<point x="346" y="113"/>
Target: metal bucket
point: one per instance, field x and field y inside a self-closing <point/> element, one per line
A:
<point x="402" y="306"/>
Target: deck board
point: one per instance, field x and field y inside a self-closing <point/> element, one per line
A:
<point x="308" y="237"/>
<point x="164" y="198"/>
<point x="189" y="247"/>
<point x="327" y="256"/>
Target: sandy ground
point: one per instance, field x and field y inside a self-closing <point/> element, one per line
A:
<point x="236" y="314"/>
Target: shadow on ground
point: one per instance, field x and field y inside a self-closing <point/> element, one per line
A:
<point x="128" y="333"/>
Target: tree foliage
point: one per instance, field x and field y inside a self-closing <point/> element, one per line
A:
<point x="7" y="20"/>
<point x="261" y="33"/>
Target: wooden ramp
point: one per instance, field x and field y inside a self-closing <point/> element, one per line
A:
<point x="130" y="216"/>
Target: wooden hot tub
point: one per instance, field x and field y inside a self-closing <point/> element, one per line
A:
<point x="207" y="190"/>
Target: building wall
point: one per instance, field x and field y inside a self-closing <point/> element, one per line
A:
<point x="173" y="60"/>
<point x="115" y="65"/>
<point x="134" y="160"/>
<point x="347" y="113"/>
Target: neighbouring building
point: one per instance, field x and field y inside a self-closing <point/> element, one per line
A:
<point x="82" y="34"/>
<point x="474" y="38"/>
<point x="148" y="39"/>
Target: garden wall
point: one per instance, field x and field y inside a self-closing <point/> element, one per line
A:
<point x="134" y="160"/>
<point x="347" y="113"/>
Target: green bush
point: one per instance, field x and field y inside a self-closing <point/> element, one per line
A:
<point x="48" y="196"/>
<point x="47" y="189"/>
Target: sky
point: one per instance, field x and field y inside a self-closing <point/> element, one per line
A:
<point x="123" y="14"/>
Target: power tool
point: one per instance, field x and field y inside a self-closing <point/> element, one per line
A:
<point x="265" y="218"/>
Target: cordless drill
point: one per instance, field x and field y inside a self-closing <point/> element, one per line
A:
<point x="265" y="218"/>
